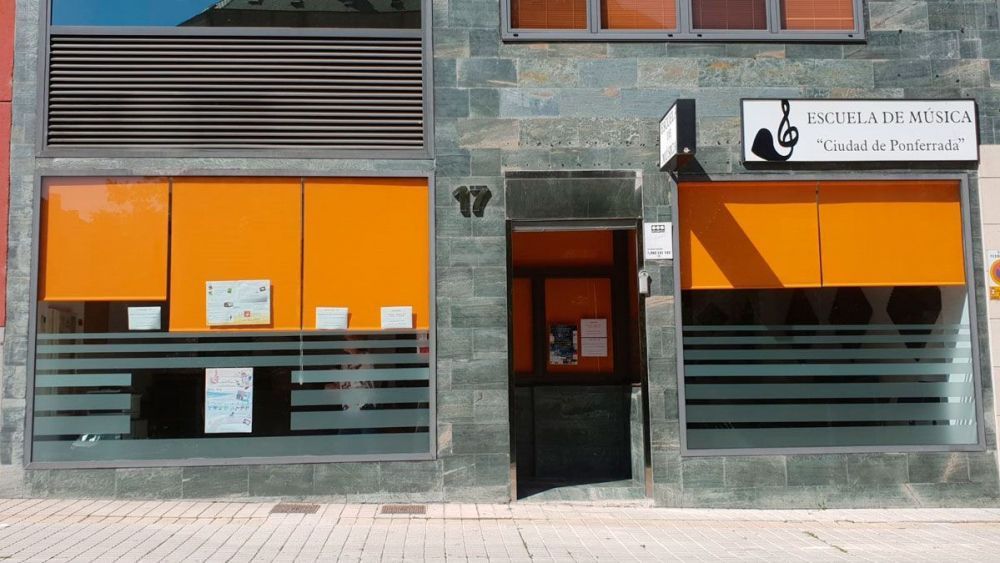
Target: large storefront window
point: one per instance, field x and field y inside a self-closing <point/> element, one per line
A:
<point x="829" y="314"/>
<point x="192" y="318"/>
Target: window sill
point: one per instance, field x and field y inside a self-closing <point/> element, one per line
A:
<point x="519" y="36"/>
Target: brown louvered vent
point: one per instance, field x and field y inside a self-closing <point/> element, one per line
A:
<point x="328" y="93"/>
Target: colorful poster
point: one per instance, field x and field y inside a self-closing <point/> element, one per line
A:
<point x="228" y="400"/>
<point x="993" y="273"/>
<point x="562" y="345"/>
<point x="243" y="302"/>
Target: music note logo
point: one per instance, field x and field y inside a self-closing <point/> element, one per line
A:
<point x="788" y="136"/>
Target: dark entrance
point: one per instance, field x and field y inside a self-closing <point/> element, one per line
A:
<point x="576" y="361"/>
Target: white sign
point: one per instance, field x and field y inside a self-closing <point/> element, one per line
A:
<point x="593" y="328"/>
<point x="228" y="400"/>
<point x="658" y="240"/>
<point x="859" y="130"/>
<point x="397" y="317"/>
<point x="144" y="318"/>
<point x="331" y="318"/>
<point x="668" y="136"/>
<point x="244" y="302"/>
<point x="993" y="273"/>
<point x="594" y="347"/>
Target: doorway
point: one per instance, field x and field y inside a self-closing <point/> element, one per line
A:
<point x="576" y="362"/>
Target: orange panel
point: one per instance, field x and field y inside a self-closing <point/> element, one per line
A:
<point x="746" y="235"/>
<point x="817" y="14"/>
<point x="367" y="246"/>
<point x="639" y="14"/>
<point x="523" y="326"/>
<point x="226" y="229"/>
<point x="563" y="249"/>
<point x="104" y="239"/>
<point x="891" y="233"/>
<point x="567" y="300"/>
<point x="548" y="14"/>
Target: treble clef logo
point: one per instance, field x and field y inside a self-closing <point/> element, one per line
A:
<point x="788" y="136"/>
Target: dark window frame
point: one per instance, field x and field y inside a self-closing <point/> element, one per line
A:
<point x="684" y="31"/>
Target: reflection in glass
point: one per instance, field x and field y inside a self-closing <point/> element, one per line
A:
<point x="394" y="14"/>
<point x="729" y="14"/>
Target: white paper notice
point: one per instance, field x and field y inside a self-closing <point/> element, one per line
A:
<point x="594" y="328"/>
<point x="594" y="347"/>
<point x="243" y="302"/>
<point x="397" y="317"/>
<point x="144" y="318"/>
<point x="331" y="318"/>
<point x="228" y="400"/>
<point x="658" y="239"/>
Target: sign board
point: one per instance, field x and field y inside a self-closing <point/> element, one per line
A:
<point x="792" y="131"/>
<point x="234" y="303"/>
<point x="677" y="135"/>
<point x="658" y="241"/>
<point x="993" y="273"/>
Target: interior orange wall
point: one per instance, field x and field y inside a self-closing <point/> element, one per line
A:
<point x="104" y="240"/>
<point x="523" y="326"/>
<point x="228" y="229"/>
<point x="567" y="301"/>
<point x="367" y="246"/>
<point x="562" y="249"/>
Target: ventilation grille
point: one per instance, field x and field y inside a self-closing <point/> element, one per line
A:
<point x="331" y="93"/>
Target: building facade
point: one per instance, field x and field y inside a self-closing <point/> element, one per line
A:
<point x="425" y="252"/>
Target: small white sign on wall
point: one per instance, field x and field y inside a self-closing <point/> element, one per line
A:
<point x="658" y="241"/>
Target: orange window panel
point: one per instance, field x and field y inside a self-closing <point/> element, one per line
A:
<point x="817" y="14"/>
<point x="548" y="14"/>
<point x="104" y="239"/>
<point x="639" y="14"/>
<point x="563" y="249"/>
<point x="367" y="246"/>
<point x="228" y="229"/>
<point x="749" y="235"/>
<point x="891" y="233"/>
<point x="567" y="301"/>
<point x="523" y="326"/>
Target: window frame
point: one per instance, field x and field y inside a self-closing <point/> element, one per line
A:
<point x="32" y="340"/>
<point x="47" y="30"/>
<point x="971" y="280"/>
<point x="684" y="31"/>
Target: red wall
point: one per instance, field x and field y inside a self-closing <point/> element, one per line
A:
<point x="6" y="66"/>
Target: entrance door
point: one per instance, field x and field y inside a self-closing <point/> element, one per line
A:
<point x="576" y="363"/>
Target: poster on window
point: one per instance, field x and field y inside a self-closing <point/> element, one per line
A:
<point x="993" y="273"/>
<point x="241" y="302"/>
<point x="562" y="345"/>
<point x="228" y="400"/>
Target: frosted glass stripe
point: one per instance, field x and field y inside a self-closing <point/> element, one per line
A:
<point x="145" y="348"/>
<point x="833" y="412"/>
<point x="84" y="380"/>
<point x="826" y="390"/>
<point x="88" y="402"/>
<point x="389" y="418"/>
<point x="810" y="370"/>
<point x="292" y="360"/>
<point x="78" y="425"/>
<point x="224" y="335"/>
<point x="216" y="448"/>
<point x="343" y="375"/>
<point x="828" y="339"/>
<point x="360" y="396"/>
<point x="831" y="437"/>
<point x="822" y="328"/>
<point x="830" y="354"/>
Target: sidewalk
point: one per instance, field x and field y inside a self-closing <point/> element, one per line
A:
<point x="102" y="530"/>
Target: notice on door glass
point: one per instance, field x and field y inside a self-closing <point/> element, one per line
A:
<point x="397" y="317"/>
<point x="593" y="328"/>
<point x="658" y="241"/>
<point x="594" y="347"/>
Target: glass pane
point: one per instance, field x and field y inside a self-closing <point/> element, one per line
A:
<point x="121" y="378"/>
<point x="833" y="15"/>
<point x="238" y="13"/>
<point x="548" y="14"/>
<point x="729" y="14"/>
<point x="638" y="14"/>
<point x="848" y="366"/>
